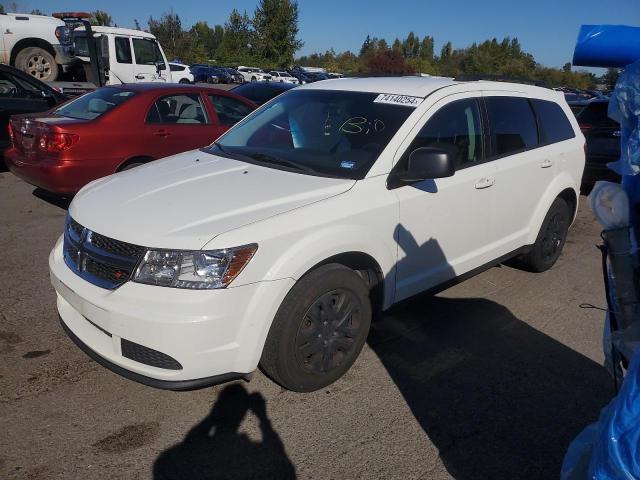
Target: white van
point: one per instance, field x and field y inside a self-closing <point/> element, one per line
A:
<point x="274" y="244"/>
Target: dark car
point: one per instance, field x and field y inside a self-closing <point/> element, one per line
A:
<point x="22" y="93"/>
<point x="603" y="141"/>
<point x="116" y="128"/>
<point x="220" y="75"/>
<point x="235" y="75"/>
<point x="261" y="92"/>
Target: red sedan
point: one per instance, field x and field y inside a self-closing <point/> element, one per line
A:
<point x="116" y="128"/>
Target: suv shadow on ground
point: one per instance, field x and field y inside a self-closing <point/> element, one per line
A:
<point x="215" y="449"/>
<point x="498" y="398"/>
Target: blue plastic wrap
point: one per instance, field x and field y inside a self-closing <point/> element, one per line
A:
<point x="624" y="107"/>
<point x="610" y="448"/>
<point x="607" y="46"/>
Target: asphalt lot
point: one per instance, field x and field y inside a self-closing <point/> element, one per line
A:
<point x="490" y="379"/>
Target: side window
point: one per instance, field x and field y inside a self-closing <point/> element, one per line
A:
<point x="513" y="125"/>
<point x="146" y="52"/>
<point x="176" y="68"/>
<point x="229" y="110"/>
<point x="123" y="50"/>
<point x="457" y="128"/>
<point x="178" y="109"/>
<point x="9" y="88"/>
<point x="553" y="123"/>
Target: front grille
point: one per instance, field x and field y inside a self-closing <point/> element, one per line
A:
<point x="100" y="260"/>
<point x="106" y="271"/>
<point x="148" y="356"/>
<point x="115" y="246"/>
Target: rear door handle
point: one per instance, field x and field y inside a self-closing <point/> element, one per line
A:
<point x="485" y="182"/>
<point x="547" y="163"/>
<point x="161" y="133"/>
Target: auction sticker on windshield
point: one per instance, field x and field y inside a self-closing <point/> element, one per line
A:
<point x="405" y="100"/>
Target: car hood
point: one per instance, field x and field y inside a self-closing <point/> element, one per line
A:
<point x="186" y="200"/>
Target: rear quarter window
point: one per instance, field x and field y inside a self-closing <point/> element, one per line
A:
<point x="553" y="122"/>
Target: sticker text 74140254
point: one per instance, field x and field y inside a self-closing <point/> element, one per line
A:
<point x="404" y="100"/>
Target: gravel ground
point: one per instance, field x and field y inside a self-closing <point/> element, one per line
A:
<point x="490" y="379"/>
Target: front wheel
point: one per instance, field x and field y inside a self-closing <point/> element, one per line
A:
<point x="184" y="80"/>
<point x="551" y="238"/>
<point x="319" y="329"/>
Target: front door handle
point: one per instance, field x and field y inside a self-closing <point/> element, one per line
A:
<point x="485" y="182"/>
<point x="140" y="76"/>
<point x="546" y="164"/>
<point x="161" y="133"/>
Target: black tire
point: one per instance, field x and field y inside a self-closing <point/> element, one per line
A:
<point x="184" y="80"/>
<point x="38" y="63"/>
<point x="254" y="79"/>
<point x="131" y="165"/>
<point x="319" y="330"/>
<point x="551" y="238"/>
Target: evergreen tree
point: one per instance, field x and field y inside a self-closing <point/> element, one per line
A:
<point x="275" y="24"/>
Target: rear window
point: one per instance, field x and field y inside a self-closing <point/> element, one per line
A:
<point x="513" y="124"/>
<point x="94" y="104"/>
<point x="554" y="124"/>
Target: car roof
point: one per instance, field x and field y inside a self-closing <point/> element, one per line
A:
<point x="418" y="86"/>
<point x="130" y="32"/>
<point x="165" y="87"/>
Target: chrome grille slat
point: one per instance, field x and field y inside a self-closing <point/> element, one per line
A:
<point x="101" y="260"/>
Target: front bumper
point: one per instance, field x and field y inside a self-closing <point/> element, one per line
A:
<point x="213" y="335"/>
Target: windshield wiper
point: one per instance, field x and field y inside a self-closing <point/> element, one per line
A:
<point x="265" y="157"/>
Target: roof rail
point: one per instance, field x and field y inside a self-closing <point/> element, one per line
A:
<point x="501" y="78"/>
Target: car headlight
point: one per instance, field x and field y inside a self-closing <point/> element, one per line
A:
<point x="199" y="269"/>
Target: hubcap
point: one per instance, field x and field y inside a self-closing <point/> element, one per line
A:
<point x="328" y="331"/>
<point x="38" y="67"/>
<point x="553" y="237"/>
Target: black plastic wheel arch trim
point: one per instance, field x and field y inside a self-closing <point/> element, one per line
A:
<point x="176" y="385"/>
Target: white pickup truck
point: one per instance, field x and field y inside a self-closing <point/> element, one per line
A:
<point x="42" y="47"/>
<point x="29" y="43"/>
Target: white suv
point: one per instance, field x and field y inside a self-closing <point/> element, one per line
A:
<point x="252" y="74"/>
<point x="274" y="244"/>
<point x="283" y="77"/>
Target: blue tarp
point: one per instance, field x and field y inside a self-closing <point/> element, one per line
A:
<point x="607" y="46"/>
<point x="610" y="448"/>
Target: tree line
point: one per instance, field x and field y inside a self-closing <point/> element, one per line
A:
<point x="269" y="39"/>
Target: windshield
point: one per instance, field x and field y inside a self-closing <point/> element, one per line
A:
<point x="94" y="104"/>
<point x="318" y="132"/>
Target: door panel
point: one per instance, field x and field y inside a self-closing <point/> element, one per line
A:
<point x="444" y="222"/>
<point x="146" y="56"/>
<point x="177" y="123"/>
<point x="521" y="177"/>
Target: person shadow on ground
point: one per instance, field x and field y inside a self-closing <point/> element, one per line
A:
<point x="215" y="449"/>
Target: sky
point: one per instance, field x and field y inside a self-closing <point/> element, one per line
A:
<point x="546" y="28"/>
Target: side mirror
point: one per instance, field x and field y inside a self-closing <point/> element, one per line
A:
<point x="428" y="163"/>
<point x="160" y="67"/>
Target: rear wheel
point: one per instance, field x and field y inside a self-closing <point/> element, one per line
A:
<point x="551" y="238"/>
<point x="38" y="63"/>
<point x="319" y="329"/>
